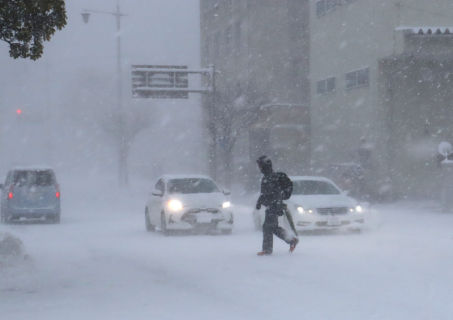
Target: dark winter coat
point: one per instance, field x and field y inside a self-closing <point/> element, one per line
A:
<point x="271" y="192"/>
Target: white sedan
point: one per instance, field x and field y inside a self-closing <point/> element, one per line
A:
<point x="188" y="202"/>
<point x="318" y="204"/>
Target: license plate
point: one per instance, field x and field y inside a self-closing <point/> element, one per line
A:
<point x="204" y="218"/>
<point x="35" y="195"/>
<point x="333" y="221"/>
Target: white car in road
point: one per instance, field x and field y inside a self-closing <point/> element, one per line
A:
<point x="318" y="204"/>
<point x="188" y="202"/>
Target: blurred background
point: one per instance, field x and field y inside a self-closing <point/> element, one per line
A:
<point x="58" y="110"/>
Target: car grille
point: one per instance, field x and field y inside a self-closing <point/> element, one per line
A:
<point x="324" y="223"/>
<point x="212" y="210"/>
<point x="190" y="215"/>
<point x="332" y="211"/>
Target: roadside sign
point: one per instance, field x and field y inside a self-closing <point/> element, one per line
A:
<point x="168" y="82"/>
<point x="160" y="82"/>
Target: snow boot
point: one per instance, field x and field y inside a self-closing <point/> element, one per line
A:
<point x="264" y="253"/>
<point x="293" y="244"/>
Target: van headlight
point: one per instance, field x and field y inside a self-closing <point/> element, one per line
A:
<point x="359" y="209"/>
<point x="226" y="205"/>
<point x="175" y="205"/>
<point x="300" y="209"/>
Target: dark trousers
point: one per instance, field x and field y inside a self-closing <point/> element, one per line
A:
<point x="269" y="229"/>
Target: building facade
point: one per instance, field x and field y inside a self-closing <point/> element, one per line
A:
<point x="261" y="50"/>
<point x="381" y="89"/>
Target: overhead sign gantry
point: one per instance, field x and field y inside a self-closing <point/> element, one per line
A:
<point x="168" y="82"/>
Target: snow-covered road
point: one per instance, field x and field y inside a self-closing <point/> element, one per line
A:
<point x="100" y="263"/>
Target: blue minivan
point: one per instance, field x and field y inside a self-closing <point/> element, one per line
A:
<point x="30" y="192"/>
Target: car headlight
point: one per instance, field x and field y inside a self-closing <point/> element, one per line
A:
<point x="359" y="209"/>
<point x="226" y="205"/>
<point x="302" y="210"/>
<point x="175" y="205"/>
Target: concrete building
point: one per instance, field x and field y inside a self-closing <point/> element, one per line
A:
<point x="261" y="48"/>
<point x="381" y="89"/>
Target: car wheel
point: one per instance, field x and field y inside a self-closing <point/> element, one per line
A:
<point x="149" y="226"/>
<point x="227" y="232"/>
<point x="55" y="218"/>
<point x="163" y="225"/>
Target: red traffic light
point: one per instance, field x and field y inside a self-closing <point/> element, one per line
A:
<point x="19" y="111"/>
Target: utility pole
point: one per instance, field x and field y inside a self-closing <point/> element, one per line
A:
<point x="122" y="147"/>
<point x="213" y="146"/>
<point x="48" y="120"/>
<point x="118" y="40"/>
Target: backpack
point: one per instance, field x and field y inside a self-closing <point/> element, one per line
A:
<point x="285" y="184"/>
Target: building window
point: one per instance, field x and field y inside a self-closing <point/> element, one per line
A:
<point x="324" y="6"/>
<point x="358" y="78"/>
<point x="325" y="86"/>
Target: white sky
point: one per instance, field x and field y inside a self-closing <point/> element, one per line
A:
<point x="153" y="32"/>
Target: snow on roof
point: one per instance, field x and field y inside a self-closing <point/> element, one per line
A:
<point x="284" y="105"/>
<point x="167" y="177"/>
<point x="295" y="178"/>
<point x="310" y="178"/>
<point x="35" y="168"/>
<point x="426" y="30"/>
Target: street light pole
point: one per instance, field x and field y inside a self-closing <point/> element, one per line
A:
<point x="118" y="37"/>
<point x="122" y="152"/>
<point x="122" y="164"/>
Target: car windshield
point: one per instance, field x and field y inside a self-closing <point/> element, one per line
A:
<point x="192" y="185"/>
<point x="38" y="178"/>
<point x="311" y="187"/>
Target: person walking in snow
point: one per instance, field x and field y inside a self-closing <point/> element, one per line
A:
<point x="271" y="197"/>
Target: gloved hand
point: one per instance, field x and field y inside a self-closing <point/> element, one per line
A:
<point x="258" y="206"/>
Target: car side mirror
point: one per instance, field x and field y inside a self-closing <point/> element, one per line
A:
<point x="226" y="192"/>
<point x="157" y="193"/>
<point x="346" y="192"/>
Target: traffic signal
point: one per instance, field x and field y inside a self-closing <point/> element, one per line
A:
<point x="29" y="116"/>
<point x="19" y="115"/>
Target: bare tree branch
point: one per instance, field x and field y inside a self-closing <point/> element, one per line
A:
<point x="235" y="110"/>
